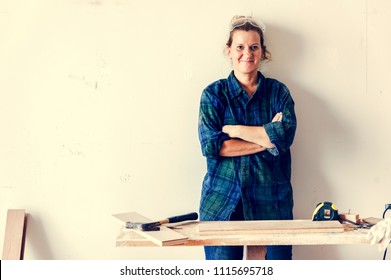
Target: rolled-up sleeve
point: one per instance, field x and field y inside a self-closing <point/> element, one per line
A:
<point x="282" y="134"/>
<point x="210" y="125"/>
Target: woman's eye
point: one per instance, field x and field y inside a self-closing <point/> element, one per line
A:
<point x="239" y="47"/>
<point x="254" y="48"/>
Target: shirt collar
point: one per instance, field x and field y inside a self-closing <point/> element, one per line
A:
<point x="234" y="87"/>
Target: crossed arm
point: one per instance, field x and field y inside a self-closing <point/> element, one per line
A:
<point x="246" y="140"/>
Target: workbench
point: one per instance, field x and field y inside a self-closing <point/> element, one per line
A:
<point x="191" y="230"/>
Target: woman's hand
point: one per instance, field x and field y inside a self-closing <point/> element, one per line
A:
<point x="277" y="117"/>
<point x="253" y="134"/>
<point x="233" y="131"/>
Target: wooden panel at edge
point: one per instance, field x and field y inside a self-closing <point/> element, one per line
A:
<point x="14" y="233"/>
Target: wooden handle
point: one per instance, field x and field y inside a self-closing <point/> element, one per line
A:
<point x="175" y="219"/>
<point x="181" y="218"/>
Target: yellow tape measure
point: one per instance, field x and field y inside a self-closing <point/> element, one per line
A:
<point x="325" y="211"/>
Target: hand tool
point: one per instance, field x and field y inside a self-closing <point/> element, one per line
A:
<point x="154" y="226"/>
<point x="325" y="211"/>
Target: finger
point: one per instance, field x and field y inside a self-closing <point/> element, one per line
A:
<point x="388" y="230"/>
<point x="375" y="240"/>
<point x="376" y="234"/>
<point x="383" y="244"/>
<point x="379" y="237"/>
<point x="370" y="235"/>
<point x="277" y="117"/>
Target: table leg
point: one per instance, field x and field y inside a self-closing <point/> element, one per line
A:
<point x="256" y="252"/>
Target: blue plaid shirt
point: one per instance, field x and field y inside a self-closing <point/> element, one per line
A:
<point x="262" y="180"/>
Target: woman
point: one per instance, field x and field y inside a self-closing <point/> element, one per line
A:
<point x="246" y="127"/>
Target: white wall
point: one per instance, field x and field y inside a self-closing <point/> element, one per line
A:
<point x="99" y="107"/>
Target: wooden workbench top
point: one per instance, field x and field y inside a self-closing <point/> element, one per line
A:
<point x="197" y="237"/>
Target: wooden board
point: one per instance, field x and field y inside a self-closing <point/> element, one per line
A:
<point x="163" y="237"/>
<point x="257" y="227"/>
<point x="372" y="220"/>
<point x="13" y="248"/>
<point x="350" y="235"/>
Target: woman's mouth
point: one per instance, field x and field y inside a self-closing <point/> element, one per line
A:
<point x="246" y="61"/>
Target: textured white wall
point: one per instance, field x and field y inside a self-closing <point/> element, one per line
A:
<point x="99" y="107"/>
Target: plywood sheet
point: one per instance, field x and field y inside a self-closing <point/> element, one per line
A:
<point x="284" y="226"/>
<point x="163" y="237"/>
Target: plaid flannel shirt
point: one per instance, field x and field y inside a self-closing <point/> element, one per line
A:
<point x="262" y="180"/>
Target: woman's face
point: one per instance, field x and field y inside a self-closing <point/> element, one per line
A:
<point x="245" y="51"/>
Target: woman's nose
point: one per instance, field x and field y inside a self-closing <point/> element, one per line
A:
<point x="247" y="52"/>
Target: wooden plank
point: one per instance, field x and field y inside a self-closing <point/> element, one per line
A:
<point x="349" y="236"/>
<point x="372" y="220"/>
<point x="259" y="227"/>
<point x="14" y="237"/>
<point x="163" y="237"/>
